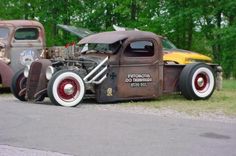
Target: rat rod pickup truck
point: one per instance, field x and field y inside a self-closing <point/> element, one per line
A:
<point x="113" y="66"/>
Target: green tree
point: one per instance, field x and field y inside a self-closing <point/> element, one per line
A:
<point x="207" y="26"/>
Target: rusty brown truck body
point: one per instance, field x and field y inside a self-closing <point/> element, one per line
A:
<point x="114" y="66"/>
<point x="21" y="42"/>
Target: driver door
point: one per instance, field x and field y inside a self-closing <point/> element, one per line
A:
<point x="139" y="70"/>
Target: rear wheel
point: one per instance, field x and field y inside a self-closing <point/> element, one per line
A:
<point x="197" y="81"/>
<point x="18" y="85"/>
<point x="66" y="88"/>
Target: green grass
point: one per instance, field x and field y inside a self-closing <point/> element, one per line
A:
<point x="221" y="101"/>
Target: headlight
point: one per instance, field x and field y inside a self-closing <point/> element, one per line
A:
<point x="49" y="72"/>
<point x="26" y="71"/>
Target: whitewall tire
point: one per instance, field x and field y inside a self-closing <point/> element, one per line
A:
<point x="197" y="81"/>
<point x="66" y="88"/>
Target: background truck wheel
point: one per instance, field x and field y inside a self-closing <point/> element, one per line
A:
<point x="197" y="81"/>
<point x="66" y="88"/>
<point x="18" y="84"/>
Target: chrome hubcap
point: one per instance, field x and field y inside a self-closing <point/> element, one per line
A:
<point x="200" y="81"/>
<point x="68" y="89"/>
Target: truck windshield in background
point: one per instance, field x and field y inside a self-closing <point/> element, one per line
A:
<point x="4" y="32"/>
<point x="27" y="34"/>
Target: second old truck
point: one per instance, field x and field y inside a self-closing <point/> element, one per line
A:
<point x="110" y="67"/>
<point x="21" y="42"/>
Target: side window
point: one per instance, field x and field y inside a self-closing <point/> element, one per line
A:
<point x="140" y="49"/>
<point x="27" y="34"/>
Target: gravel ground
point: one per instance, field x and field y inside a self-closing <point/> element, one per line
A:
<point x="163" y="112"/>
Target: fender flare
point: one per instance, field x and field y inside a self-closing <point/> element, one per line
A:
<point x="6" y="74"/>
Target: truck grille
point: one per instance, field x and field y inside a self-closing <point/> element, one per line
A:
<point x="33" y="79"/>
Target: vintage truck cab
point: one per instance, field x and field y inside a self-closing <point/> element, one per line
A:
<point x="21" y="42"/>
<point x="114" y="66"/>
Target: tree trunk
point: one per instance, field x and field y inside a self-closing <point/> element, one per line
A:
<point x="190" y="33"/>
<point x="66" y="19"/>
<point x="54" y="23"/>
<point x="133" y="10"/>
<point x="217" y="46"/>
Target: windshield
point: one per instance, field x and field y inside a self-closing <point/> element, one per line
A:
<point x="100" y="48"/>
<point x="4" y="32"/>
<point x="167" y="45"/>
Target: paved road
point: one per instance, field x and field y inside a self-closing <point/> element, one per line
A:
<point x="91" y="130"/>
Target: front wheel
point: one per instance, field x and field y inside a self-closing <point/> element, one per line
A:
<point x="66" y="88"/>
<point x="197" y="81"/>
<point x="18" y="85"/>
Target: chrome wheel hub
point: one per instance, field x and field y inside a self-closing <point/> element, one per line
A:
<point x="68" y="89"/>
<point x="200" y="81"/>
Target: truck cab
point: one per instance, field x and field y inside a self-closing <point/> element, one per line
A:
<point x="21" y="42"/>
<point x="134" y="71"/>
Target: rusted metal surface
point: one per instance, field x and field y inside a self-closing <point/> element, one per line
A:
<point x="128" y="77"/>
<point x="131" y="77"/>
<point x="3" y="56"/>
<point x="14" y="24"/>
<point x="171" y="78"/>
<point x="130" y="73"/>
<point x="36" y="82"/>
<point x="107" y="38"/>
<point x="114" y="36"/>
<point x="17" y="23"/>
<point x="15" y="50"/>
<point x="6" y="74"/>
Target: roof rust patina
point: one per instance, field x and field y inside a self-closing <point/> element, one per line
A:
<point x="114" y="36"/>
<point x="12" y="25"/>
<point x="16" y="23"/>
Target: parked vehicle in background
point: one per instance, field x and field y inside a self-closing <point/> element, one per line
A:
<point x="179" y="56"/>
<point x="113" y="66"/>
<point x="21" y="42"/>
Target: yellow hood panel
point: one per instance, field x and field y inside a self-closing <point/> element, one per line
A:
<point x="185" y="57"/>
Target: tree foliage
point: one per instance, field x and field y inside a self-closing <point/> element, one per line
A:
<point x="206" y="26"/>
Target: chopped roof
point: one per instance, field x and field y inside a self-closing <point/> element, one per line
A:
<point x="114" y="36"/>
